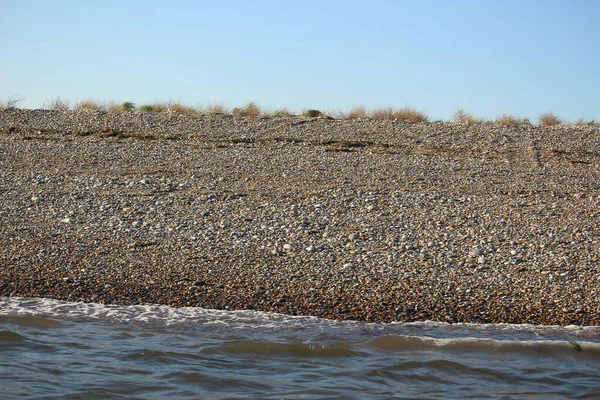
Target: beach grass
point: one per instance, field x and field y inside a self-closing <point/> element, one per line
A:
<point x="10" y="102"/>
<point x="252" y="109"/>
<point x="549" y="119"/>
<point x="401" y="114"/>
<point x="511" y="120"/>
<point x="249" y="110"/>
<point x="463" y="117"/>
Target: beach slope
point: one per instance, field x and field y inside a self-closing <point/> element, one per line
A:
<point x="347" y="219"/>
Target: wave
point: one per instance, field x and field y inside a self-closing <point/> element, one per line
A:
<point x="49" y="313"/>
<point x="161" y="351"/>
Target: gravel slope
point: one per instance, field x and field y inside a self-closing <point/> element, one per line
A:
<point x="348" y="219"/>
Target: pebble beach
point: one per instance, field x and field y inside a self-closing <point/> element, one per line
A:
<point x="350" y="219"/>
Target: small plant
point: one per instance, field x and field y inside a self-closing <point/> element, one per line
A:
<point x="57" y="104"/>
<point x="282" y="112"/>
<point x="410" y="114"/>
<point x="113" y="106"/>
<point x="511" y="120"/>
<point x="179" y="108"/>
<point x="383" y="113"/>
<point x="582" y="122"/>
<point x="89" y="105"/>
<point x="215" y="108"/>
<point x="156" y="107"/>
<point x="402" y="114"/>
<point x="312" y="113"/>
<point x="11" y="102"/>
<point x="128" y="106"/>
<point x="463" y="117"/>
<point x="249" y="110"/>
<point x="549" y="119"/>
<point x="147" y="108"/>
<point x="159" y="107"/>
<point x="357" y="112"/>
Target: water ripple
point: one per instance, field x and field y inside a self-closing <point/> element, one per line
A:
<point x="75" y="350"/>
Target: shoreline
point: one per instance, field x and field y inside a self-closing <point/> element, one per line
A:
<point x="345" y="219"/>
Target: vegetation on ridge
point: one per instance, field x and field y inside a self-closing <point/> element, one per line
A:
<point x="252" y="109"/>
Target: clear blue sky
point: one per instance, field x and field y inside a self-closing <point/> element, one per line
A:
<point x="522" y="57"/>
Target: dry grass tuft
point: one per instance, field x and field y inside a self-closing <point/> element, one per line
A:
<point x="113" y="106"/>
<point x="582" y="122"/>
<point x="463" y="117"/>
<point x="410" y="114"/>
<point x="175" y="107"/>
<point x="90" y="105"/>
<point x="282" y="112"/>
<point x="401" y="114"/>
<point x="383" y="113"/>
<point x="549" y="119"/>
<point x="357" y="112"/>
<point x="511" y="120"/>
<point x="215" y="108"/>
<point x="11" y="102"/>
<point x="171" y="106"/>
<point x="57" y="104"/>
<point x="249" y="110"/>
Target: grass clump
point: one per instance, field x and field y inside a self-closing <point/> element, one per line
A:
<point x="582" y="122"/>
<point x="89" y="104"/>
<point x="463" y="117"/>
<point x="383" y="113"/>
<point x="401" y="114"/>
<point x="357" y="112"/>
<point x="214" y="108"/>
<point x="128" y="106"/>
<point x="155" y="107"/>
<point x="511" y="120"/>
<point x="249" y="110"/>
<point x="171" y="106"/>
<point x="312" y="113"/>
<point x="57" y="104"/>
<point x="410" y="114"/>
<point x="175" y="107"/>
<point x="549" y="119"/>
<point x="282" y="112"/>
<point x="11" y="102"/>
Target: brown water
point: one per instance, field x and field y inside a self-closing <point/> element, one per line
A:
<point x="54" y="349"/>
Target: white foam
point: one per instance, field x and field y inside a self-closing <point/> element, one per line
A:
<point x="161" y="315"/>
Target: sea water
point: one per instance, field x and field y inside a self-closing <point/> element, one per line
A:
<point x="66" y="350"/>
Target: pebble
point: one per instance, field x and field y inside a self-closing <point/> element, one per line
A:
<point x="146" y="223"/>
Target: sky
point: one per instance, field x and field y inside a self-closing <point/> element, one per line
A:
<point x="488" y="57"/>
